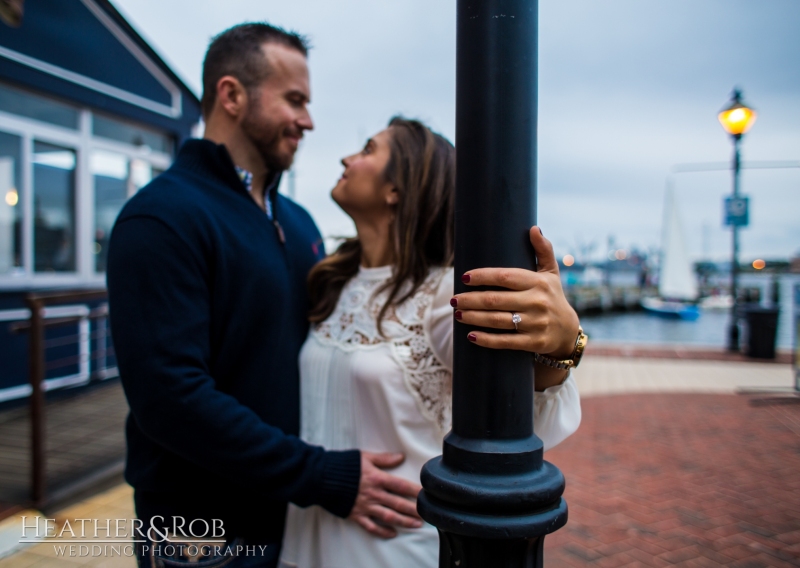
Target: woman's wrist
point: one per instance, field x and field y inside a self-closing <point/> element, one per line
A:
<point x="567" y="345"/>
<point x="546" y="377"/>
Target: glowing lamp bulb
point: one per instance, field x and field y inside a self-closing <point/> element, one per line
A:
<point x="737" y="118"/>
<point x="12" y="197"/>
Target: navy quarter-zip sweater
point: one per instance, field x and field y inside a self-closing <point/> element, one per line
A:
<point x="208" y="314"/>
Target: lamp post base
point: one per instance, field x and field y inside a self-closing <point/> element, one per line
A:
<point x="456" y="551"/>
<point x="498" y="516"/>
<point x="501" y="544"/>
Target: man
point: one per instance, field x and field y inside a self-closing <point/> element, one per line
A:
<point x="207" y="290"/>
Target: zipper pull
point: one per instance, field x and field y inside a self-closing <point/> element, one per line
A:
<point x="281" y="234"/>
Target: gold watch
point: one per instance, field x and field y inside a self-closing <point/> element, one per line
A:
<point x="573" y="361"/>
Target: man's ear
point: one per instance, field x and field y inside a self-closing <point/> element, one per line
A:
<point x="231" y="96"/>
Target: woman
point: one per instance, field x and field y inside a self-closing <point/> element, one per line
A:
<point x="376" y="368"/>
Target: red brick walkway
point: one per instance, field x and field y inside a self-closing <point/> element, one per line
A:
<point x="680" y="479"/>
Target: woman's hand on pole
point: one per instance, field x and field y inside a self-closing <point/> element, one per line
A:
<point x="547" y="323"/>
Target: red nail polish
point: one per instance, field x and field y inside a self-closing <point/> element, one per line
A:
<point x="458" y="314"/>
<point x="465" y="279"/>
<point x="453" y="302"/>
<point x="472" y="337"/>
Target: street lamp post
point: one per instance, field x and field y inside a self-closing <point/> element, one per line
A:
<point x="491" y="495"/>
<point x="736" y="119"/>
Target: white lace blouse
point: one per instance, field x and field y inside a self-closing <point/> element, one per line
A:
<point x="388" y="393"/>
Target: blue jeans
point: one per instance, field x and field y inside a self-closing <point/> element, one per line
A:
<point x="235" y="553"/>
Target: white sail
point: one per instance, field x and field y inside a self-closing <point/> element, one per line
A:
<point x="676" y="279"/>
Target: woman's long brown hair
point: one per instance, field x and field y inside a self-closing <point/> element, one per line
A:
<point x="422" y="167"/>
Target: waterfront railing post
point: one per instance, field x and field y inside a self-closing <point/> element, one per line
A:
<point x="36" y="378"/>
<point x="491" y="495"/>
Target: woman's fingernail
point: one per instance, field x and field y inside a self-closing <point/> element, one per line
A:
<point x="465" y="279"/>
<point x="540" y="231"/>
<point x="417" y="524"/>
<point x="458" y="314"/>
<point x="453" y="302"/>
<point x="472" y="337"/>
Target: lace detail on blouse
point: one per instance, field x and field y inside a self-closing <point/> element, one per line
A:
<point x="353" y="325"/>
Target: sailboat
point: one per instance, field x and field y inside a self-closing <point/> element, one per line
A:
<point x="677" y="284"/>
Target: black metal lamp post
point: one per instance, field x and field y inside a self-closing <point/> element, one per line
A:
<point x="490" y="494"/>
<point x="736" y="119"/>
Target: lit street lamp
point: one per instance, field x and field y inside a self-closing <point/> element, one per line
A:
<point x="736" y="119"/>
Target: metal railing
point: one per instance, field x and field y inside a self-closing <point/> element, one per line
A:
<point x="87" y="312"/>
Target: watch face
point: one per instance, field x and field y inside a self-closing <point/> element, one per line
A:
<point x="582" y="340"/>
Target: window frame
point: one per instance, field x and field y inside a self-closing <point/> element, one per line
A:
<point x="83" y="143"/>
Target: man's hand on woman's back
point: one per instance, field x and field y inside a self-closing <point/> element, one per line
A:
<point x="383" y="499"/>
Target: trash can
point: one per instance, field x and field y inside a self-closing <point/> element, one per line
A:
<point x="762" y="331"/>
<point x="796" y="355"/>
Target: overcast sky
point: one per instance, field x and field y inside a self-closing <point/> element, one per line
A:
<point x="628" y="89"/>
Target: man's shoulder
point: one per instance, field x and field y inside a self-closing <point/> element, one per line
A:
<point x="171" y="208"/>
<point x="169" y="197"/>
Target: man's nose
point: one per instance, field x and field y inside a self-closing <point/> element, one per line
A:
<point x="305" y="121"/>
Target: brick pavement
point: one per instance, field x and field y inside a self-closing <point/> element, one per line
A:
<point x="682" y="472"/>
<point x="680" y="479"/>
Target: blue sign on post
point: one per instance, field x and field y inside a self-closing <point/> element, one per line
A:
<point x="737" y="211"/>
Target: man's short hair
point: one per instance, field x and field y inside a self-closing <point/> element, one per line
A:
<point x="238" y="52"/>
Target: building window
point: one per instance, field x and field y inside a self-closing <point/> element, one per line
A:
<point x="116" y="178"/>
<point x="132" y="134"/>
<point x="53" y="208"/>
<point x="65" y="174"/>
<point x="10" y="203"/>
<point x="22" y="103"/>
<point x="110" y="177"/>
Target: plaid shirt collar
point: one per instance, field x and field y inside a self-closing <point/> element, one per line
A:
<point x="272" y="187"/>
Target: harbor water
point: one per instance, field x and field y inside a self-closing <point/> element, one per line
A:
<point x="710" y="330"/>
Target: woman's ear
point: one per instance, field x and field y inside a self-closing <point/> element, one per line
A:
<point x="392" y="197"/>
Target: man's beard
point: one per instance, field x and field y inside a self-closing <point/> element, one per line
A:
<point x="266" y="137"/>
